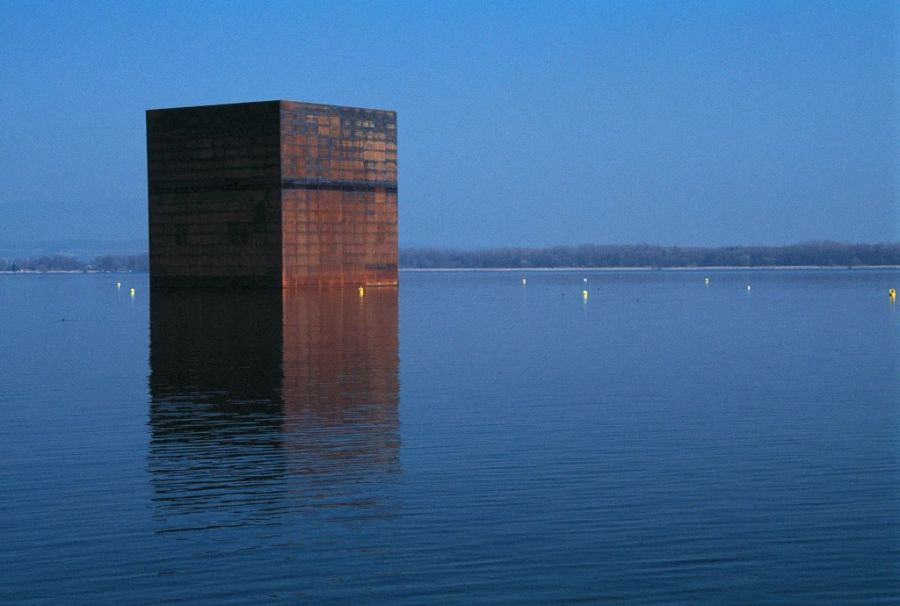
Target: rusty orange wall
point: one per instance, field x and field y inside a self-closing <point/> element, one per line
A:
<point x="339" y="195"/>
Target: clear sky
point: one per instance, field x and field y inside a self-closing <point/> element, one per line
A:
<point x="525" y="124"/>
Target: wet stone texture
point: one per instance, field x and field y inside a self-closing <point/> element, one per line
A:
<point x="276" y="193"/>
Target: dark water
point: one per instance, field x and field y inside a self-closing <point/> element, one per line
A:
<point x="465" y="440"/>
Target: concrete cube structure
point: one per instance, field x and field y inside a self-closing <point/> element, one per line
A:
<point x="272" y="194"/>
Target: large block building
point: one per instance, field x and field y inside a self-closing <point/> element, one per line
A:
<point x="273" y="194"/>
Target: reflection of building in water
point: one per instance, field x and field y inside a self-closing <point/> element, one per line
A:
<point x="264" y="402"/>
<point x="340" y="372"/>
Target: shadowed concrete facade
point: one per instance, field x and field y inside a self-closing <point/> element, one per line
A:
<point x="272" y="194"/>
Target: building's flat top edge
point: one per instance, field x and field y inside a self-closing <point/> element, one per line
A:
<point x="272" y="101"/>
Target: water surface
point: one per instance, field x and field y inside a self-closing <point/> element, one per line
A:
<point x="465" y="439"/>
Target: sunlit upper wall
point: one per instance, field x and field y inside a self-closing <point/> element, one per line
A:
<point x="339" y="195"/>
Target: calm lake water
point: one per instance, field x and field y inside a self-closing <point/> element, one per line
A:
<point x="467" y="439"/>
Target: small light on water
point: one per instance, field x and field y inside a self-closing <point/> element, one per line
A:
<point x="362" y="291"/>
<point x="132" y="293"/>
<point x="748" y="287"/>
<point x="524" y="281"/>
<point x="118" y="285"/>
<point x="584" y="294"/>
<point x="706" y="281"/>
<point x="585" y="279"/>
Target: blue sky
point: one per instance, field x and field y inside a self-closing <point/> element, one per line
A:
<point x="520" y="123"/>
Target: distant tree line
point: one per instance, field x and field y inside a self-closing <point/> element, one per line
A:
<point x="828" y="254"/>
<point x="65" y="263"/>
<point x="831" y="254"/>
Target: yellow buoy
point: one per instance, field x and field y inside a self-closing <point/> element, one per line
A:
<point x="362" y="291"/>
<point x="132" y="292"/>
<point x="584" y="294"/>
<point x="892" y="294"/>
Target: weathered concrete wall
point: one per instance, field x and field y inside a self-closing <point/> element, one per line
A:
<point x="274" y="193"/>
<point x="214" y="195"/>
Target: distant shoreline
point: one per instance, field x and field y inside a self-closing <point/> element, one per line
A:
<point x="583" y="257"/>
<point x="651" y="256"/>
<point x="648" y="268"/>
<point x="32" y="272"/>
